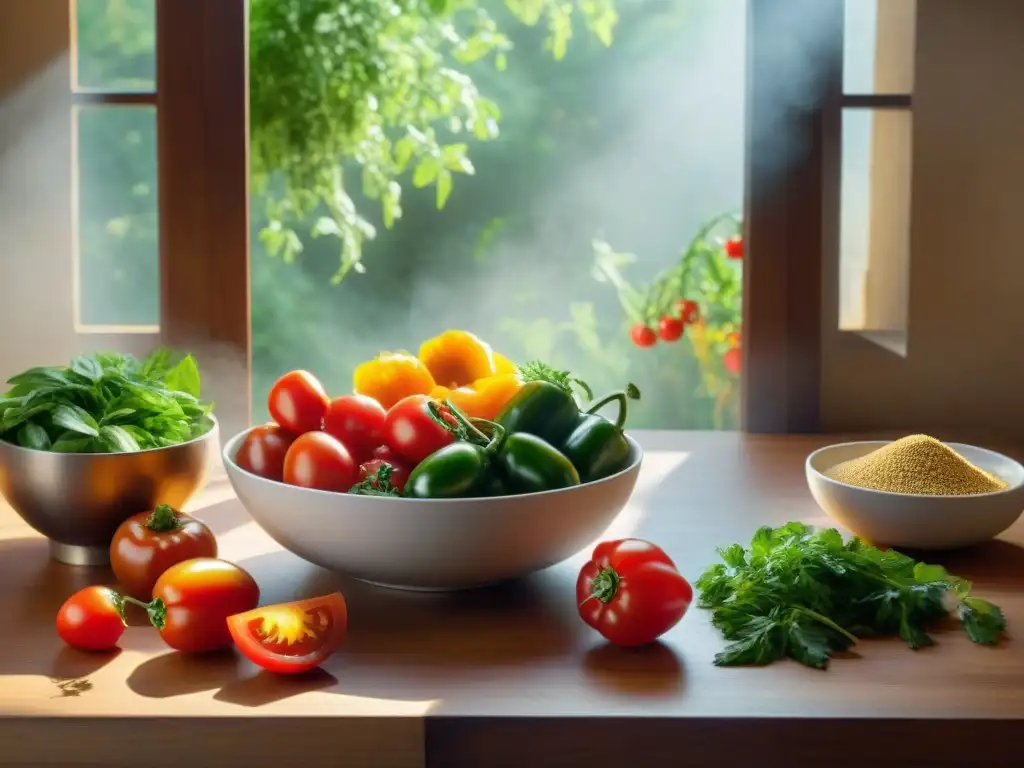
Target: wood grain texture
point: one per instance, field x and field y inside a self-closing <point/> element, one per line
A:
<point x="203" y="140"/>
<point x="509" y="675"/>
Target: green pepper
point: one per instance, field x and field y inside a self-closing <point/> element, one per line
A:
<point x="459" y="470"/>
<point x="543" y="409"/>
<point x="530" y="464"/>
<point x="597" y="447"/>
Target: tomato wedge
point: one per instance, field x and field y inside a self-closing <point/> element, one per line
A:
<point x="290" y="638"/>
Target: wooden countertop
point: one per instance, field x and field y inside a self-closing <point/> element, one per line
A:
<point x="509" y="675"/>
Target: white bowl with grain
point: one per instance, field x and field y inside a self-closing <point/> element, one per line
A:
<point x="925" y="521"/>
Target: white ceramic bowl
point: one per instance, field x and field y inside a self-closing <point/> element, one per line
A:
<point x="433" y="544"/>
<point x="917" y="521"/>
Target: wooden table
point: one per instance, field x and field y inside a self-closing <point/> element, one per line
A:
<point x="509" y="676"/>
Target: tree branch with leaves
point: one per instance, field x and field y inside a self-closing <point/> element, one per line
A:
<point x="368" y="95"/>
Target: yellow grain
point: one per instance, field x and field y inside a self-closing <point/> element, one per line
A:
<point x="916" y="464"/>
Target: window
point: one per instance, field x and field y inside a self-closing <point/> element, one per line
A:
<point x="876" y="169"/>
<point x="604" y="166"/>
<point x="115" y="220"/>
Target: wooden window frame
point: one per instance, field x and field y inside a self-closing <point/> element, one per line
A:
<point x="202" y="64"/>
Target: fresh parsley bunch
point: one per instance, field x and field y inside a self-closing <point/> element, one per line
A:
<point x="106" y="403"/>
<point x="806" y="594"/>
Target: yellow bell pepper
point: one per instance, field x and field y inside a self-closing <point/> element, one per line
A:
<point x="484" y="398"/>
<point x="457" y="358"/>
<point x="392" y="376"/>
<point x="503" y="365"/>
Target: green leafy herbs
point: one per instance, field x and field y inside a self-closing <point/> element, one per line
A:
<point x="807" y="594"/>
<point x="354" y="100"/>
<point x="535" y="370"/>
<point x="106" y="403"/>
<point x="377" y="484"/>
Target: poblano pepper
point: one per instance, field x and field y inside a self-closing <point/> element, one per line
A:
<point x="459" y="470"/>
<point x="543" y="409"/>
<point x="529" y="464"/>
<point x="597" y="447"/>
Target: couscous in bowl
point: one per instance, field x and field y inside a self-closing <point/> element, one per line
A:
<point x="924" y="521"/>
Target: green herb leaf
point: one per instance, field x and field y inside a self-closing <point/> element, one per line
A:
<point x="184" y="377"/>
<point x="33" y="436"/>
<point x="75" y="419"/>
<point x="118" y="440"/>
<point x="983" y="622"/>
<point x="535" y="370"/>
<point x="87" y="367"/>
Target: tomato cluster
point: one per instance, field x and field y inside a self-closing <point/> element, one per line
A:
<point x="348" y="443"/>
<point x="658" y="317"/>
<point x="166" y="563"/>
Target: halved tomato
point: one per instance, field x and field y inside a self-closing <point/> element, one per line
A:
<point x="291" y="637"/>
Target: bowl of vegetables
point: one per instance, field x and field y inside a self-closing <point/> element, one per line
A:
<point x="85" y="446"/>
<point x="420" y="486"/>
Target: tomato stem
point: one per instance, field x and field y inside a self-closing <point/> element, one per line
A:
<point x="162" y="519"/>
<point x="606" y="585"/>
<point x="156" y="611"/>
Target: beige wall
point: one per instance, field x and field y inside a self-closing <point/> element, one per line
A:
<point x="964" y="367"/>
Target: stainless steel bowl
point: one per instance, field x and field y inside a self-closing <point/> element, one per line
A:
<point x="77" y="500"/>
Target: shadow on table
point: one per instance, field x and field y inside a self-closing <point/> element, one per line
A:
<point x="647" y="671"/>
<point x="990" y="564"/>
<point x="34" y="588"/>
<point x="178" y="674"/>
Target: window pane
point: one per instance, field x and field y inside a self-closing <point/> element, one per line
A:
<point x="879" y="46"/>
<point x="116" y="44"/>
<point x="875" y="220"/>
<point x="635" y="145"/>
<point x="117" y="216"/>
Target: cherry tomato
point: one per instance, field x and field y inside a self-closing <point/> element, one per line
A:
<point x="733" y="360"/>
<point x="358" y="421"/>
<point x="399" y="472"/>
<point x="317" y="460"/>
<point x="670" y="328"/>
<point x="92" y="619"/>
<point x="643" y="336"/>
<point x="291" y="637"/>
<point x="631" y="592"/>
<point x="298" y="402"/>
<point x="412" y="433"/>
<point x="263" y="449"/>
<point x="147" y="544"/>
<point x="688" y="311"/>
<point x="734" y="247"/>
<point x="192" y="601"/>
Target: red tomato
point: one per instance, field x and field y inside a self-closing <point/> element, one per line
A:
<point x="291" y="637"/>
<point x="631" y="592"/>
<point x="358" y="421"/>
<point x="733" y="360"/>
<point x="412" y="433"/>
<point x="92" y="619"/>
<point x="263" y="449"/>
<point x="734" y="247"/>
<point x="192" y="601"/>
<point x="298" y="402"/>
<point x="688" y="311"/>
<point x="643" y="336"/>
<point x="399" y="472"/>
<point x="317" y="460"/>
<point x="670" y="328"/>
<point x="147" y="544"/>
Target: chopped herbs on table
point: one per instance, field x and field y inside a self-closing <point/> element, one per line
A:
<point x="805" y="594"/>
<point x="106" y="403"/>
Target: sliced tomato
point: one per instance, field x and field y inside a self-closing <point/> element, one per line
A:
<point x="290" y="638"/>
